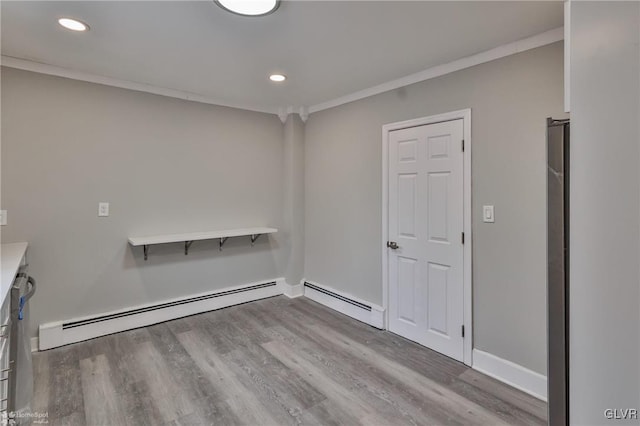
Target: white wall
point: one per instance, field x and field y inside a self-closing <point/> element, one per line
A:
<point x="293" y="171"/>
<point x="510" y="99"/>
<point x="165" y="165"/>
<point x="605" y="210"/>
<point x="169" y="166"/>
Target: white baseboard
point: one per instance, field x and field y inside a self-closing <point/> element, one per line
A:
<point x="535" y="384"/>
<point x="78" y="329"/>
<point x="34" y="344"/>
<point x="293" y="291"/>
<point x="345" y="303"/>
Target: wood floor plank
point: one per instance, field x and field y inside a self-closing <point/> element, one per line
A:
<point x="137" y="335"/>
<point x="133" y="390"/>
<point x="41" y="382"/>
<point x="245" y="405"/>
<point x="402" y="401"/>
<point x="246" y="338"/>
<point x="277" y="361"/>
<point x="261" y="365"/>
<point x="65" y="386"/>
<point x="183" y="369"/>
<point x="258" y="316"/>
<point x="248" y="328"/>
<point x="285" y="394"/>
<point x="216" y="328"/>
<point x="517" y="408"/>
<point x="160" y="380"/>
<point x="101" y="402"/>
<point x="210" y="364"/>
<point x="327" y="413"/>
<point x="412" y="404"/>
<point x="179" y="325"/>
<point x="507" y="412"/>
<point x="379" y="390"/>
<point x="440" y="397"/>
<point x="281" y="407"/>
<point x="512" y="396"/>
<point x="485" y="390"/>
<point x="388" y="344"/>
<point x="352" y="405"/>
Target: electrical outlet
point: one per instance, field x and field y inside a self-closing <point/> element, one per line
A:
<point x="3" y="217"/>
<point x="103" y="209"/>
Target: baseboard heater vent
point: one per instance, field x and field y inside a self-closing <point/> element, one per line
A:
<point x="338" y="296"/>
<point x="72" y="330"/>
<point x="72" y="324"/>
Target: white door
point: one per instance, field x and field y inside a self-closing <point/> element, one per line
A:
<point x="426" y="193"/>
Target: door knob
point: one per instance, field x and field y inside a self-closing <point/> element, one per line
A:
<point x="393" y="245"/>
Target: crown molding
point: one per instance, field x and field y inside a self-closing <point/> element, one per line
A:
<point x="508" y="49"/>
<point x="283" y="113"/>
<point x="303" y="112"/>
<point x="42" y="68"/>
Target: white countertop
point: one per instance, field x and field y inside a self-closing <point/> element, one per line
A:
<point x="11" y="256"/>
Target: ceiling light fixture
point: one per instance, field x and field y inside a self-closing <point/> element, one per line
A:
<point x="73" y="24"/>
<point x="249" y="7"/>
<point x="277" y="77"/>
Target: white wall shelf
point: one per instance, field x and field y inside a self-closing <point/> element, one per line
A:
<point x="189" y="238"/>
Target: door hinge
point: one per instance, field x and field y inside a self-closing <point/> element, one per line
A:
<point x="463" y="331"/>
<point x="462" y="145"/>
<point x="463" y="238"/>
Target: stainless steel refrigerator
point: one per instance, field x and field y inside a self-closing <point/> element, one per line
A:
<point x="558" y="271"/>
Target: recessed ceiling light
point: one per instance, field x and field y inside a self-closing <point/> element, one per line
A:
<point x="73" y="24"/>
<point x="277" y="77"/>
<point x="249" y="7"/>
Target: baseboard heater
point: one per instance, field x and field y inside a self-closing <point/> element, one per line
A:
<point x="72" y="324"/>
<point x="338" y="296"/>
<point x="71" y="331"/>
<point x="344" y="303"/>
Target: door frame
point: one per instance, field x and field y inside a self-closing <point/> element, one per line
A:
<point x="465" y="115"/>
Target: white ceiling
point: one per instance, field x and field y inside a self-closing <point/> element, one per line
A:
<point x="328" y="49"/>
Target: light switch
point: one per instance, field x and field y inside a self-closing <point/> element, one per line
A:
<point x="103" y="209"/>
<point x="3" y="217"/>
<point x="487" y="214"/>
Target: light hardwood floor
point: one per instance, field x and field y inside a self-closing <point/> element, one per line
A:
<point x="271" y="362"/>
